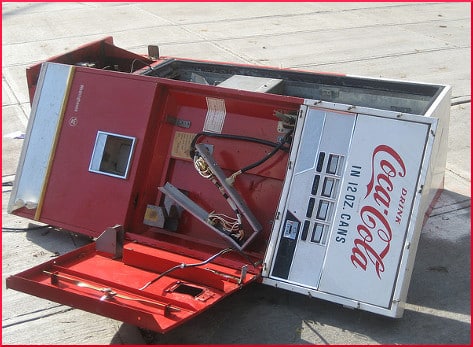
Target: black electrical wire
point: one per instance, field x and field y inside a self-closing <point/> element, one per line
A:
<point x="233" y="137"/>
<point x="247" y="257"/>
<point x="183" y="266"/>
<point x="270" y="154"/>
<point x="26" y="229"/>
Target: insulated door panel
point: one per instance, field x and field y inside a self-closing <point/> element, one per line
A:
<point x="374" y="209"/>
<point x="92" y="171"/>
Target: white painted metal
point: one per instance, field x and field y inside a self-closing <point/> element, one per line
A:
<point x="329" y="133"/>
<point x="41" y="134"/>
<point x="384" y="194"/>
<point x="373" y="209"/>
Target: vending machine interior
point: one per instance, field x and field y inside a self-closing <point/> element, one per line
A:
<point x="195" y="178"/>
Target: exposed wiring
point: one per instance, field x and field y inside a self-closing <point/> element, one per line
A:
<point x="183" y="266"/>
<point x="270" y="154"/>
<point x="141" y="61"/>
<point x="202" y="167"/>
<point x="232" y="137"/>
<point x="233" y="227"/>
<point x="230" y="226"/>
<point x="285" y="139"/>
<point x="231" y="223"/>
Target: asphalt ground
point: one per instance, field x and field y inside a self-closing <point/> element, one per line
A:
<point x="425" y="42"/>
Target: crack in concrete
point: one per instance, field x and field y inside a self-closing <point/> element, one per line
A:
<point x="451" y="211"/>
<point x="36" y="318"/>
<point x="457" y="174"/>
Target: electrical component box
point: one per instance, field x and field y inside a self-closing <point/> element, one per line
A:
<point x="196" y="178"/>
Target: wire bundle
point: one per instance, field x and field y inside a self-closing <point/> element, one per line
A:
<point x="232" y="226"/>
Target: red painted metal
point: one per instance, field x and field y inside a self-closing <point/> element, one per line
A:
<point x="86" y="202"/>
<point x="158" y="307"/>
<point x="104" y="52"/>
<point x="164" y="277"/>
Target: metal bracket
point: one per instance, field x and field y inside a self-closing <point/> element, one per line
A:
<point x="178" y="122"/>
<point x="287" y="121"/>
<point x="199" y="213"/>
<point x="220" y="175"/>
<point x="244" y="270"/>
<point x="111" y="241"/>
<point x="194" y="209"/>
<point x="153" y="51"/>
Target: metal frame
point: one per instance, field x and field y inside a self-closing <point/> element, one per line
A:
<point x="413" y="229"/>
<point x="98" y="153"/>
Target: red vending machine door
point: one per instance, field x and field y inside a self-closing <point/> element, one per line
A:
<point x="102" y="148"/>
<point x="83" y="146"/>
<point x="148" y="287"/>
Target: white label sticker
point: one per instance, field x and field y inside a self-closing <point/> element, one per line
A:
<point x="290" y="229"/>
<point x="215" y="117"/>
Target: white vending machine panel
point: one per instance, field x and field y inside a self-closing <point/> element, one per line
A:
<point x="349" y="206"/>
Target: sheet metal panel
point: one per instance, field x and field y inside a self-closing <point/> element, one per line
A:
<point x="374" y="209"/>
<point x="41" y="137"/>
<point x="376" y="157"/>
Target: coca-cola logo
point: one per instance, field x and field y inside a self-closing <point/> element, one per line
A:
<point x="375" y="233"/>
